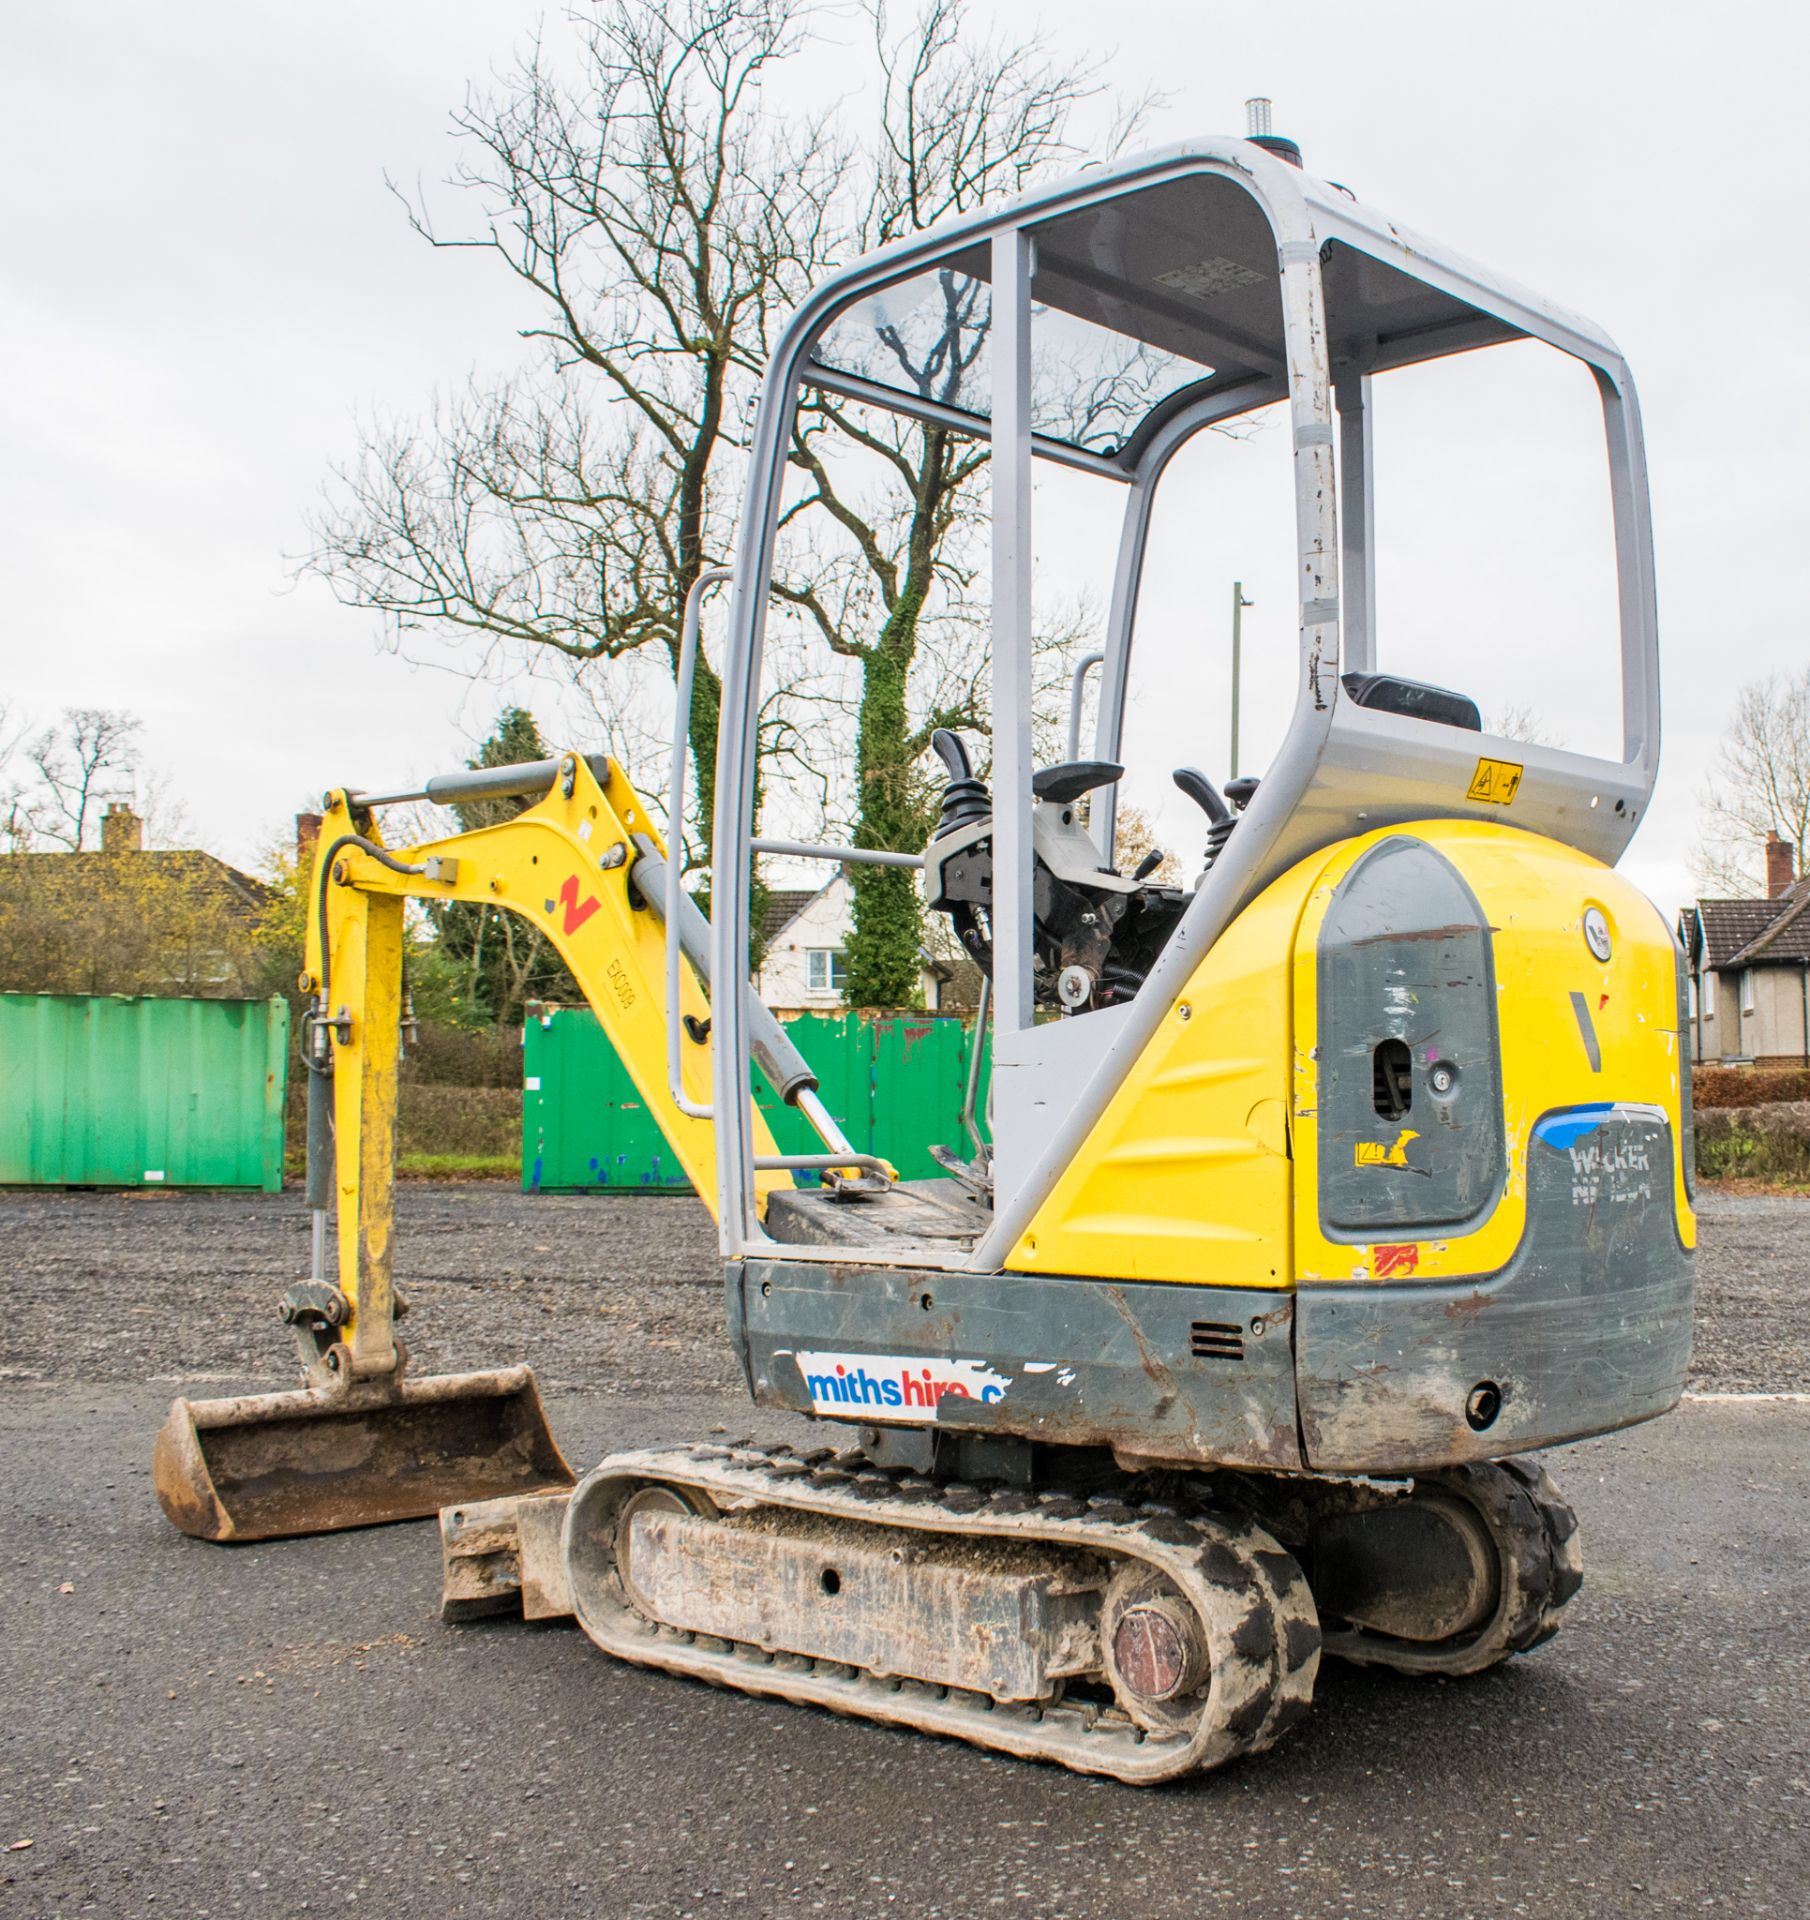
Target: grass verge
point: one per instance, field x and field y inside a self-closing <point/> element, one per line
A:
<point x="1776" y="1186"/>
<point x="459" y="1166"/>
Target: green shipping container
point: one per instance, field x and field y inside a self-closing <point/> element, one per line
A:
<point x="893" y="1082"/>
<point x="131" y="1093"/>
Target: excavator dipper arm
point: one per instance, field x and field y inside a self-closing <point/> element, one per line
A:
<point x="360" y="1444"/>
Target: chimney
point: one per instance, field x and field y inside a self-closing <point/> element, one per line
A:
<point x="307" y="837"/>
<point x="1779" y="873"/>
<point x="122" y="831"/>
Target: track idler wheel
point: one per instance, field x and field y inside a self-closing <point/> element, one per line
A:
<point x="1155" y="1650"/>
<point x="1475" y="1564"/>
<point x="649" y="1499"/>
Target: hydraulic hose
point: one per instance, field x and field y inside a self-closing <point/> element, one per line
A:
<point x="324" y="867"/>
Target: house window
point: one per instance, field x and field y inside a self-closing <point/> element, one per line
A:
<point x="826" y="969"/>
<point x="1707" y="997"/>
<point x="1747" y="991"/>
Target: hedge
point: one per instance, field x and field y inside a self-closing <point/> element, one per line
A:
<point x="1748" y="1086"/>
<point x="435" y="1122"/>
<point x="1770" y="1141"/>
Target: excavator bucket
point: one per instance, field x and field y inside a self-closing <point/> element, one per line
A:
<point x="318" y="1461"/>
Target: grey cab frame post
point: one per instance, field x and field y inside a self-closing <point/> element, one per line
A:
<point x="1341" y="768"/>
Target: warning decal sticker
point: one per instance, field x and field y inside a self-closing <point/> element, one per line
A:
<point x="1495" y="781"/>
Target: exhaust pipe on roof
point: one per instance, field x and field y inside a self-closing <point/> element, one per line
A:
<point x="1258" y="132"/>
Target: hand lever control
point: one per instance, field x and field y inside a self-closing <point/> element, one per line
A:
<point x="952" y="750"/>
<point x="965" y="798"/>
<point x="1203" y="793"/>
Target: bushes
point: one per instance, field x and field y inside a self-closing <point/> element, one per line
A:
<point x="1752" y="1123"/>
<point x="1748" y="1086"/>
<point x="476" y="1122"/>
<point x="448" y="1056"/>
<point x="1771" y="1141"/>
<point x="459" y="1106"/>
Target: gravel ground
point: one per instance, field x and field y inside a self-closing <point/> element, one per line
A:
<point x="1753" y="1294"/>
<point x="612" y="1293"/>
<point x="604" y="1293"/>
<point x="289" y="1730"/>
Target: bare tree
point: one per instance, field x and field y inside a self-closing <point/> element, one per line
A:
<point x="1760" y="785"/>
<point x="15" y="819"/>
<point x="164" y="818"/>
<point x="963" y="120"/>
<point x="1134" y="837"/>
<point x="664" y="218"/>
<point x="75" y="766"/>
<point x="1521" y="720"/>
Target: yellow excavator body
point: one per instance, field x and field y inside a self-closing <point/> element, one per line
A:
<point x="1208" y="1158"/>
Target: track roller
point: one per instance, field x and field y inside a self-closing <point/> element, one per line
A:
<point x="1471" y="1565"/>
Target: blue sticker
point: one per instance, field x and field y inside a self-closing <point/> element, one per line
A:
<point x="1563" y="1130"/>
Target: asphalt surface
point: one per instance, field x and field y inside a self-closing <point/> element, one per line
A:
<point x="289" y="1728"/>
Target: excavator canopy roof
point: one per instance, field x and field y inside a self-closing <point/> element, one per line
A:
<point x="1132" y="319"/>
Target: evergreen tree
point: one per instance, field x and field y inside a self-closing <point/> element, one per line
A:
<point x="501" y="960"/>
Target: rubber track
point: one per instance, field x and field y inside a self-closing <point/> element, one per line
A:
<point x="1539" y="1558"/>
<point x="1259" y="1613"/>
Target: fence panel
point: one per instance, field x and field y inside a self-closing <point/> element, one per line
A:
<point x="131" y="1093"/>
<point x="842" y="1056"/>
<point x="920" y="1064"/>
<point x="583" y="1122"/>
<point x="893" y="1083"/>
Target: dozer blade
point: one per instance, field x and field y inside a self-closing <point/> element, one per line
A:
<point x="266" y="1465"/>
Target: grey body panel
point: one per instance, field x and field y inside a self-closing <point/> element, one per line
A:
<point x="1404" y="956"/>
<point x="1587" y="1328"/>
<point x="1087" y="1362"/>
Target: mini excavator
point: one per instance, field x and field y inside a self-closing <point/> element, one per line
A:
<point x="1319" y="1195"/>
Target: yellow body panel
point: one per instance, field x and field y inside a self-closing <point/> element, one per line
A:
<point x="1204" y="1169"/>
<point x="1187" y="1176"/>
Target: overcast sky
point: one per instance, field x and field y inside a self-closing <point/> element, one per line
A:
<point x="207" y="282"/>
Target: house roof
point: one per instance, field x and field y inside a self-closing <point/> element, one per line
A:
<point x="1746" y="933"/>
<point x="75" y="873"/>
<point x="784" y="905"/>
<point x="1786" y="937"/>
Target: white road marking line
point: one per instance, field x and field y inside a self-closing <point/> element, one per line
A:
<point x="1715" y="1399"/>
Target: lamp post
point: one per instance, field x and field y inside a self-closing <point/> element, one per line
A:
<point x="1239" y="603"/>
